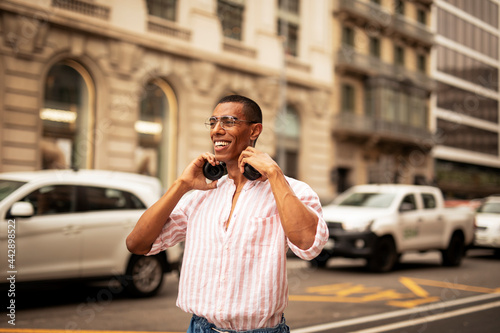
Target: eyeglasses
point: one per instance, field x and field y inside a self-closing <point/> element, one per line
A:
<point x="225" y="121"/>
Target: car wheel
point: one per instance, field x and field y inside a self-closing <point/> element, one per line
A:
<point x="144" y="275"/>
<point x="454" y="253"/>
<point x="384" y="256"/>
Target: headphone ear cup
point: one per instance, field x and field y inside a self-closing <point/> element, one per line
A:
<point x="214" y="172"/>
<point x="250" y="172"/>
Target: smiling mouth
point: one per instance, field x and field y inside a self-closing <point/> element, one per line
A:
<point x="221" y="144"/>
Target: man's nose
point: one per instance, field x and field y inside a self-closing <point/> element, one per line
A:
<point x="218" y="127"/>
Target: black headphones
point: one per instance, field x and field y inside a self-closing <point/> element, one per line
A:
<point x="214" y="172"/>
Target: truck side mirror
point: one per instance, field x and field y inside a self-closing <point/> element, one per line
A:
<point x="22" y="209"/>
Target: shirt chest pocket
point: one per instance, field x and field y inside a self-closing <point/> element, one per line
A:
<point x="263" y="235"/>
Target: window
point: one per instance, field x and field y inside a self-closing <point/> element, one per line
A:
<point x="165" y="9"/>
<point x="55" y="199"/>
<point x="421" y="16"/>
<point x="466" y="102"/>
<point x="8" y="186"/>
<point x="156" y="131"/>
<point x="429" y="201"/>
<point x="399" y="55"/>
<point x="288" y="24"/>
<point x="348" y="98"/>
<point x="287" y="128"/>
<point x="100" y="198"/>
<point x="468" y="138"/>
<point x="230" y="14"/>
<point x="375" y="47"/>
<point x="408" y="203"/>
<point x="348" y="36"/>
<point x="67" y="117"/>
<point x="399" y="7"/>
<point x="421" y="63"/>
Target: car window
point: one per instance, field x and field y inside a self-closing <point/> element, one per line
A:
<point x="54" y="199"/>
<point x="429" y="200"/>
<point x="490" y="207"/>
<point x="101" y="198"/>
<point x="408" y="203"/>
<point x="8" y="186"/>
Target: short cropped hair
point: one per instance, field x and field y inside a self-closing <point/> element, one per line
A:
<point x="251" y="109"/>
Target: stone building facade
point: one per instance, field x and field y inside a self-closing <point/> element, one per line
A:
<point x="128" y="85"/>
<point x="352" y="91"/>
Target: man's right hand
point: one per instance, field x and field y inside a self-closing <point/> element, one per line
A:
<point x="193" y="176"/>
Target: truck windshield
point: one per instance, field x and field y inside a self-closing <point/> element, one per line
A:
<point x="371" y="200"/>
<point x="8" y="186"/>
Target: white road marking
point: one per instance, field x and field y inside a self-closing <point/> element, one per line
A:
<point x="428" y="309"/>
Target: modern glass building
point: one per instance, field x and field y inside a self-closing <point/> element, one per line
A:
<point x="466" y="110"/>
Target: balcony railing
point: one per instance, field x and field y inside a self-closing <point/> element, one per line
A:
<point x="376" y="16"/>
<point x="413" y="30"/>
<point x="367" y="127"/>
<point x="349" y="59"/>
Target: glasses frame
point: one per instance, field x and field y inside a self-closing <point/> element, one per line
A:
<point x="223" y="121"/>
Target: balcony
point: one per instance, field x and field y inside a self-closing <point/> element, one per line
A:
<point x="412" y="30"/>
<point x="372" y="16"/>
<point x="365" y="129"/>
<point x="350" y="61"/>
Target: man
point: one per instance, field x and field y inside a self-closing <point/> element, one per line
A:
<point x="236" y="231"/>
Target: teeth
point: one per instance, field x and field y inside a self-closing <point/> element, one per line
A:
<point x="221" y="143"/>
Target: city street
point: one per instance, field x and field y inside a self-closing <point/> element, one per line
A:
<point x="418" y="295"/>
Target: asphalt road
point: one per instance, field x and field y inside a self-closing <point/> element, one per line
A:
<point x="418" y="296"/>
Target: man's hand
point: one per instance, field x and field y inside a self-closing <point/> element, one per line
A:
<point x="261" y="162"/>
<point x="193" y="176"/>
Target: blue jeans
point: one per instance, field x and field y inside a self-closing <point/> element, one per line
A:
<point x="201" y="325"/>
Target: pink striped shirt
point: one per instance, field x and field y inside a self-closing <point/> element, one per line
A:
<point x="236" y="278"/>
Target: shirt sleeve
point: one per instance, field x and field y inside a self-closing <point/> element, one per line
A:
<point x="174" y="229"/>
<point x="310" y="199"/>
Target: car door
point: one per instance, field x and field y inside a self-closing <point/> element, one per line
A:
<point x="110" y="215"/>
<point x="409" y="219"/>
<point x="48" y="244"/>
<point x="432" y="224"/>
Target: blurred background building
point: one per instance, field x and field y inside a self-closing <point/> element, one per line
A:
<point x="352" y="91"/>
<point x="466" y="106"/>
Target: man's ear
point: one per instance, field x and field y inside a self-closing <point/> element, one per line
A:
<point x="256" y="130"/>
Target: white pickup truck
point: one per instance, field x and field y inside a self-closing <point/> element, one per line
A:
<point x="381" y="222"/>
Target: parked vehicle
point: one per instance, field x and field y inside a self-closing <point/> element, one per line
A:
<point x="65" y="224"/>
<point x="381" y="222"/>
<point x="488" y="224"/>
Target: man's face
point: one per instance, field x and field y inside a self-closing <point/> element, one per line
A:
<point x="229" y="142"/>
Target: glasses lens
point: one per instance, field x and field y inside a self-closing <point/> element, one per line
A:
<point x="227" y="121"/>
<point x="211" y="122"/>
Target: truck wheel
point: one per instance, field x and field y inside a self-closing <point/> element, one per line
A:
<point x="144" y="276"/>
<point x="454" y="253"/>
<point x="320" y="261"/>
<point x="384" y="256"/>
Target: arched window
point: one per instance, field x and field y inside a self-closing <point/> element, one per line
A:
<point x="288" y="141"/>
<point x="68" y="117"/>
<point x="156" y="131"/>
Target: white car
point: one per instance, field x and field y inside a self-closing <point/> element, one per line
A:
<point x="488" y="224"/>
<point x="65" y="224"/>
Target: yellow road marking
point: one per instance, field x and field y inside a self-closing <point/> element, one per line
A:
<point x="451" y="285"/>
<point x="415" y="288"/>
<point x="346" y="293"/>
